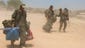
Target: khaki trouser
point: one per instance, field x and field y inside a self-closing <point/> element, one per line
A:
<point x="22" y="34"/>
<point x="48" y="26"/>
<point x="63" y="23"/>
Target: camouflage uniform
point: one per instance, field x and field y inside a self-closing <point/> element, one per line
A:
<point x="49" y="14"/>
<point x="63" y="19"/>
<point x="19" y="17"/>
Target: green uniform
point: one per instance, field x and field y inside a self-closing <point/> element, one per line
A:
<point x="49" y="14"/>
<point x="20" y="20"/>
<point x="63" y="20"/>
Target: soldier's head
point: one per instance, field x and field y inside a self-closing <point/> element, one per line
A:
<point x="60" y="9"/>
<point x="65" y="9"/>
<point x="22" y="7"/>
<point x="51" y="7"/>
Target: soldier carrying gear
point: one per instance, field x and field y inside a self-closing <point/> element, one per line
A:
<point x="8" y="24"/>
<point x="64" y="16"/>
<point x="19" y="17"/>
<point x="49" y="14"/>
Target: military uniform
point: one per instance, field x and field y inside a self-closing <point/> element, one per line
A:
<point x="19" y="17"/>
<point x="49" y="14"/>
<point x="63" y="19"/>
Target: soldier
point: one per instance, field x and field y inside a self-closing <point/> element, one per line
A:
<point x="63" y="19"/>
<point x="49" y="14"/>
<point x="19" y="17"/>
<point x="8" y="24"/>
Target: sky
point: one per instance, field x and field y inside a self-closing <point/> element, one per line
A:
<point x="71" y="4"/>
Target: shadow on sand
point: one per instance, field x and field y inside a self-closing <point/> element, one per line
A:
<point x="17" y="46"/>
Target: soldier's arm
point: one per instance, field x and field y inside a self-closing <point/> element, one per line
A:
<point x="14" y="14"/>
<point x="25" y="14"/>
<point x="59" y="14"/>
<point x="67" y="16"/>
<point x="46" y="13"/>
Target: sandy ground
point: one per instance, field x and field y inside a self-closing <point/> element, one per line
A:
<point x="73" y="38"/>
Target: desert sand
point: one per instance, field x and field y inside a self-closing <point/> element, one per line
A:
<point x="74" y="37"/>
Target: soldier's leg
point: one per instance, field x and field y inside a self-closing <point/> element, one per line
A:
<point x="50" y="24"/>
<point x="22" y="36"/>
<point x="12" y="43"/>
<point x="61" y="24"/>
<point x="22" y="40"/>
<point x="47" y="26"/>
<point x="65" y="25"/>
